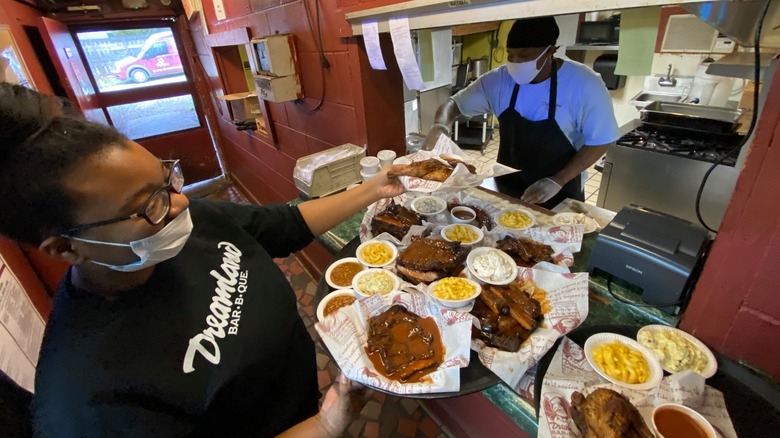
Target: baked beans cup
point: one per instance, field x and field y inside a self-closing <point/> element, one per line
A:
<point x="341" y="272"/>
<point x="339" y="297"/>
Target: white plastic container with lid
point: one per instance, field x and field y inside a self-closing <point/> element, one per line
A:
<point x="367" y="175"/>
<point x="370" y="165"/>
<point x="386" y="157"/>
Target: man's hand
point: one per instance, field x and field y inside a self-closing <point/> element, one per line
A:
<point x="433" y="136"/>
<point x="541" y="191"/>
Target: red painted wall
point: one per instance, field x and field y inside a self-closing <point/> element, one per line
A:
<point x="16" y="15"/>
<point x="38" y="273"/>
<point x="735" y="306"/>
<point x="361" y="106"/>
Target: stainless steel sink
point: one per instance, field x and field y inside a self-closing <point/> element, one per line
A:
<point x="642" y="99"/>
<point x="647" y="96"/>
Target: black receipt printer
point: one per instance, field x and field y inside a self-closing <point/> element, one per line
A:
<point x="657" y="252"/>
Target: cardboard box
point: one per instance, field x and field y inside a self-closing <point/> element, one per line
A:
<point x="243" y="106"/>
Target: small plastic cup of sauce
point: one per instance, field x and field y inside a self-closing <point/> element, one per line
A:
<point x="672" y="420"/>
<point x="462" y="215"/>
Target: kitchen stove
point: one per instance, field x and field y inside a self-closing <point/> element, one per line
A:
<point x="696" y="145"/>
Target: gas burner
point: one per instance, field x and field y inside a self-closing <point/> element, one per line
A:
<point x="695" y="145"/>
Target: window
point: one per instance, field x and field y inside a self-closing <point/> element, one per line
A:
<point x="123" y="59"/>
<point x="154" y="117"/>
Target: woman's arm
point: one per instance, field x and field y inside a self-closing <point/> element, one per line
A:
<point x="335" y="413"/>
<point x="325" y="213"/>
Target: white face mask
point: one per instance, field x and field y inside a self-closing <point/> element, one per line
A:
<point x="165" y="244"/>
<point x="525" y="72"/>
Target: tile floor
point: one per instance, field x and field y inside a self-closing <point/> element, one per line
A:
<point x="491" y="153"/>
<point x="383" y="416"/>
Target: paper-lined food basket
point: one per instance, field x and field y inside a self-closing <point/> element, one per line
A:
<point x="569" y="371"/>
<point x="345" y="335"/>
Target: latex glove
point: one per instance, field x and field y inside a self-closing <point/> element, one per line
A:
<point x="343" y="399"/>
<point x="540" y="191"/>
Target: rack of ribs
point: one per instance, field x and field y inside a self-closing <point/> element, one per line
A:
<point x="507" y="316"/>
<point x="396" y="220"/>
<point x="427" y="260"/>
<point x="525" y="251"/>
<point x="405" y="347"/>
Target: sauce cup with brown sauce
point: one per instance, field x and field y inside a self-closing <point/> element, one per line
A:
<point x="462" y="215"/>
<point x="672" y="420"/>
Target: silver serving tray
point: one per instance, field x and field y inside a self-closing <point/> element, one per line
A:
<point x="690" y="110"/>
<point x="691" y="116"/>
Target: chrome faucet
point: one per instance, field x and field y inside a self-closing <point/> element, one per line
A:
<point x="667" y="81"/>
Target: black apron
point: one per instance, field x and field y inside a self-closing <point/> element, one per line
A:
<point x="540" y="149"/>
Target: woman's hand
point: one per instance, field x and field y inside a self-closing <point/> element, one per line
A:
<point x="343" y="400"/>
<point x="387" y="186"/>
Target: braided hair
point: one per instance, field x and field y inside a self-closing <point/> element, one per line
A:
<point x="40" y="144"/>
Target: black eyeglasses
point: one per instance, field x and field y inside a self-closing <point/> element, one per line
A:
<point x="155" y="208"/>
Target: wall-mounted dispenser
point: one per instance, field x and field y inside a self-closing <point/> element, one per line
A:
<point x="276" y="68"/>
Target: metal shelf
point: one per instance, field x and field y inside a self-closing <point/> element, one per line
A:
<point x="593" y="47"/>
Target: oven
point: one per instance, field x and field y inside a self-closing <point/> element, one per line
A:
<point x="662" y="169"/>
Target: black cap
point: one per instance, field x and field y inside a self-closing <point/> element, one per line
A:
<point x="533" y="32"/>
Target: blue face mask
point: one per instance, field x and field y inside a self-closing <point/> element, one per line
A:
<point x="164" y="245"/>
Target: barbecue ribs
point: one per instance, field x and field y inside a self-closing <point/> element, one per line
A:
<point x="396" y="220"/>
<point x="526" y="252"/>
<point x="427" y="260"/>
<point x="507" y="316"/>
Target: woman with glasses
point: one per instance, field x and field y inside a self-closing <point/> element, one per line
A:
<point x="173" y="319"/>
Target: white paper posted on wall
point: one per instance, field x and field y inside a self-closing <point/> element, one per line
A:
<point x="21" y="330"/>
<point x="404" y="53"/>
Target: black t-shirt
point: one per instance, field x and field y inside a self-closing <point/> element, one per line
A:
<point x="211" y="345"/>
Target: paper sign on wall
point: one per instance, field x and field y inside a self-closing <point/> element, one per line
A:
<point x="404" y="53"/>
<point x="373" y="49"/>
<point x="21" y="330"/>
<point x="219" y="10"/>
